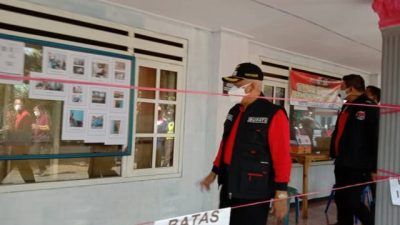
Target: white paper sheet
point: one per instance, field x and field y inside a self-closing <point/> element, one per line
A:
<point x="395" y="190"/>
<point x="47" y="90"/>
<point x="98" y="98"/>
<point x="55" y="62"/>
<point x="122" y="71"/>
<point x="74" y="123"/>
<point x="119" y="100"/>
<point x="79" y="66"/>
<point x="11" y="60"/>
<point x="77" y="95"/>
<point x="117" y="130"/>
<point x="96" y="127"/>
<point x="214" y="217"/>
<point x="101" y="69"/>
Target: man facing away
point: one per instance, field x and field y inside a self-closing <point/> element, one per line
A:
<point x="253" y="162"/>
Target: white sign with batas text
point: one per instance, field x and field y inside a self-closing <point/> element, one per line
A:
<point x="214" y="217"/>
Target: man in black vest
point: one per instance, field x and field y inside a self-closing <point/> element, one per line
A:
<point x="253" y="162"/>
<point x="354" y="144"/>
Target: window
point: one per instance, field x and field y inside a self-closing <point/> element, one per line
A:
<point x="32" y="126"/>
<point x="157" y="122"/>
<point x="276" y="88"/>
<point x="46" y="170"/>
<point x="156" y="112"/>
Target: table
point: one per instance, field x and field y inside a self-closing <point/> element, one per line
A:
<point x="305" y="160"/>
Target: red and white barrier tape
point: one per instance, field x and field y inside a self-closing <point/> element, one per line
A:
<point x="393" y="108"/>
<point x="380" y="179"/>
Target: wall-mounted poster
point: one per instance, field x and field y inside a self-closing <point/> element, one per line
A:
<point x="79" y="66"/>
<point x="76" y="95"/>
<point x="119" y="100"/>
<point x="11" y="60"/>
<point x="311" y="90"/>
<point x="96" y="127"/>
<point x="98" y="98"/>
<point x="74" y="123"/>
<point x="55" y="61"/>
<point x="117" y="130"/>
<point x="49" y="90"/>
<point x="122" y="73"/>
<point x="101" y="69"/>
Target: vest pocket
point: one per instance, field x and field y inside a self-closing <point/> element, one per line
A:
<point x="255" y="181"/>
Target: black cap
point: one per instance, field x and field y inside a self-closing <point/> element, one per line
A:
<point x="245" y="71"/>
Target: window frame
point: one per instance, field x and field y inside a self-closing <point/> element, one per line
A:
<point x="176" y="169"/>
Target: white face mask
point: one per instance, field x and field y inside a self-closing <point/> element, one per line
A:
<point x="37" y="113"/>
<point x="236" y="94"/>
<point x="17" y="107"/>
<point x="343" y="94"/>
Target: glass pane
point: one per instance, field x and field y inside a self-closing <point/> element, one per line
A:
<point x="168" y="80"/>
<point x="143" y="153"/>
<point x="34" y="126"/>
<point x="147" y="78"/>
<point x="269" y="92"/>
<point x="145" y="117"/>
<point x="45" y="170"/>
<point x="165" y="152"/>
<point x="166" y="119"/>
<point x="33" y="58"/>
<point x="315" y="123"/>
<point x="280" y="93"/>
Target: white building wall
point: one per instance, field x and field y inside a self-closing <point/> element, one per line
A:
<point x="210" y="56"/>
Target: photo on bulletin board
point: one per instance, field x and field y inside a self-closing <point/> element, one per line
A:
<point x="119" y="100"/>
<point x="98" y="98"/>
<point x="47" y="90"/>
<point x="79" y="66"/>
<point x="74" y="123"/>
<point x="121" y="72"/>
<point x="55" y="61"/>
<point x="96" y="127"/>
<point x="100" y="69"/>
<point x="117" y="130"/>
<point x="76" y="95"/>
<point x="11" y="60"/>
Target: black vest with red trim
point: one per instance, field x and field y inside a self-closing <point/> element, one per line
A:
<point x="250" y="174"/>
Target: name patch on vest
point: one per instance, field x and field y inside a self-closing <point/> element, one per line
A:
<point x="263" y="120"/>
<point x="229" y="117"/>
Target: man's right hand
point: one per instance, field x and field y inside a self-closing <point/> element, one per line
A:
<point x="207" y="181"/>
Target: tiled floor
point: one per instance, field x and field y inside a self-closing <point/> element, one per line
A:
<point x="316" y="214"/>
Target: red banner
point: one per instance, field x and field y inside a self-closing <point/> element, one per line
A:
<point x="311" y="90"/>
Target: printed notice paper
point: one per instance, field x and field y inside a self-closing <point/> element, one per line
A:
<point x="214" y="217"/>
<point x="395" y="190"/>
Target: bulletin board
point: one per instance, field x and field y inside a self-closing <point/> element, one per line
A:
<point x="76" y="101"/>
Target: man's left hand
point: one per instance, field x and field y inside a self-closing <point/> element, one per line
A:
<point x="280" y="205"/>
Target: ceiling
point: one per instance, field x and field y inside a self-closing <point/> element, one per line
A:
<point x="342" y="31"/>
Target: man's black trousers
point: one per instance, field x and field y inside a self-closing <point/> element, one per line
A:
<point x="348" y="200"/>
<point x="249" y="215"/>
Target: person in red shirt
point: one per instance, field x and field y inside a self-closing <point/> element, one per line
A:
<point x="41" y="135"/>
<point x="19" y="140"/>
<point x="253" y="162"/>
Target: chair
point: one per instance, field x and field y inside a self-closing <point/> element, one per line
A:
<point x="331" y="197"/>
<point x="367" y="198"/>
<point x="292" y="192"/>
